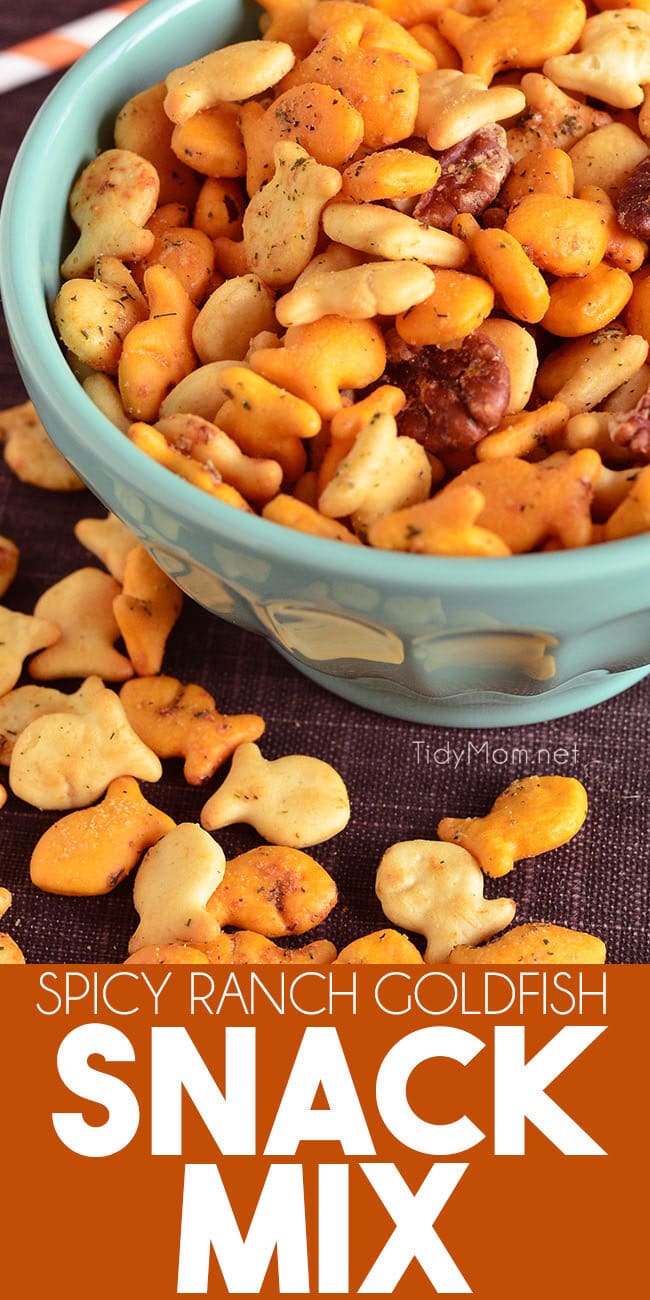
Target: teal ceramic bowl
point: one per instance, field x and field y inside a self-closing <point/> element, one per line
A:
<point x="450" y="641"/>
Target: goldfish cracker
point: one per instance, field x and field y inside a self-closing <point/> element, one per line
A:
<point x="274" y="891"/>
<point x="380" y="32"/>
<point x="158" y="352"/>
<point x="142" y="126"/>
<point x="188" y="253"/>
<point x="82" y="604"/>
<point x="588" y="303"/>
<point x="624" y="251"/>
<point x="372" y="289"/>
<point x="381" y="473"/>
<point x="31" y="455"/>
<point x="287" y="20"/>
<point x="503" y="261"/>
<point x="232" y="314"/>
<point x="146" y="610"/>
<point x="632" y="516"/>
<point x="282" y="221"/>
<point x="230" y="75"/>
<point x="104" y="394"/>
<point x="108" y="539"/>
<point x="452" y="105"/>
<point x="532" y="945"/>
<point x="173" y="887"/>
<point x="637" y="314"/>
<point x="390" y="174"/>
<point x="532" y="816"/>
<point x="457" y="306"/>
<point x="607" y="157"/>
<point x="230" y="256"/>
<point x="584" y="372"/>
<point x="199" y="393"/>
<point x="316" y="361"/>
<point x="154" y="444"/>
<point x="611" y="488"/>
<point x="552" y="119"/>
<point x="540" y="171"/>
<point x="110" y="203"/>
<point x="563" y="236"/>
<point x="93" y="317"/>
<point x="211" y="143"/>
<point x="20" y="636"/>
<point x="385" y="233"/>
<point x="613" y="63"/>
<point x="517" y="347"/>
<point x="169" y="954"/>
<point x="445" y="525"/>
<point x="265" y="420"/>
<point x="514" y="34"/>
<point x="304" y="517"/>
<point x="256" y="478"/>
<point x="327" y="125"/>
<point x="245" y="948"/>
<point x="443" y="52"/>
<point x="525" y="433"/>
<point x="381" y="948"/>
<point x="219" y="208"/>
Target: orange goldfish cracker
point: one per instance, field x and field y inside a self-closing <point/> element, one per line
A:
<point x="532" y="945"/>
<point x="503" y="261"/>
<point x="173" y="887"/>
<point x="178" y="721"/>
<point x="540" y="171"/>
<point x="286" y="20"/>
<point x="9" y="556"/>
<point x="282" y="220"/>
<point x="237" y="310"/>
<point x="20" y="636"/>
<point x="552" y="119"/>
<point x="436" y="889"/>
<point x="580" y="306"/>
<point x="607" y="157"/>
<point x="383" y="232"/>
<point x="563" y="236"/>
<point x="305" y="492"/>
<point x="245" y="948"/>
<point x="517" y="347"/>
<point x="350" y="420"/>
<point x="211" y="143"/>
<point x="110" y="203"/>
<point x="304" y="517"/>
<point x="372" y="289"/>
<point x="82" y="603"/>
<point x="453" y="105"/>
<point x="219" y="209"/>
<point x="257" y="479"/>
<point x="633" y="514"/>
<point x="93" y="317"/>
<point x="623" y="250"/>
<point x="90" y="851"/>
<point x="409" y="12"/>
<point x="444" y="54"/>
<point x="30" y="454"/>
<point x="230" y="256"/>
<point x="154" y="444"/>
<point x="525" y="504"/>
<point x="532" y="816"/>
<point x="613" y="63"/>
<point x="457" y="306"/>
<point x="169" y="954"/>
<point x="514" y="34"/>
<point x="265" y="420"/>
<point x="10" y="953"/>
<point x="326" y="125"/>
<point x="381" y="948"/>
<point x="524" y="433"/>
<point x="316" y="361"/>
<point x="67" y="759"/>
<point x="229" y="75"/>
<point x="146" y="610"/>
<point x="109" y="539"/>
<point x="390" y="174"/>
<point x="274" y="891"/>
<point x="186" y="252"/>
<point x="295" y="800"/>
<point x="637" y="314"/>
<point x="157" y="353"/>
<point x="380" y="31"/>
<point x="142" y="126"/>
<point x="445" y="525"/>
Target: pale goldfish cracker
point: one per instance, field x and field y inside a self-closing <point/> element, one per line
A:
<point x="211" y="142"/>
<point x="540" y="171"/>
<point x="105" y="395"/>
<point x="390" y="174"/>
<point x="632" y="516"/>
<point x="613" y="63"/>
<point x="525" y="433"/>
<point x="305" y="518"/>
<point x="607" y="157"/>
<point x="173" y="887"/>
<point x="517" y="347"/>
<point x="381" y="948"/>
<point x="10" y="953"/>
<point x="337" y="257"/>
<point x="245" y="948"/>
<point x="532" y="816"/>
<point x="385" y="233"/>
<point x="316" y="361"/>
<point x="226" y="323"/>
<point x="9" y="556"/>
<point x="21" y="706"/>
<point x="199" y="393"/>
<point x="294" y="800"/>
<point x="325" y="124"/>
<point x="263" y="339"/>
<point x="146" y="610"/>
<point x="587" y="303"/>
<point x="90" y="851"/>
<point x="257" y="479"/>
<point x="458" y="305"/>
<point x="452" y="105"/>
<point x="525" y="504"/>
<point x="552" y="119"/>
<point x="31" y="455"/>
<point x="381" y="473"/>
<point x="629" y="393"/>
<point x="154" y="444"/>
<point x="142" y="126"/>
<point x="444" y="54"/>
<point x="109" y="540"/>
<point x="20" y="636"/>
<point x="611" y="488"/>
<point x="67" y="759"/>
<point x="229" y="75"/>
<point x="445" y="525"/>
<point x="273" y="890"/>
<point x="219" y="208"/>
<point x="82" y="604"/>
<point x="282" y="221"/>
<point x="265" y="420"/>
<point x="623" y="250"/>
<point x="110" y="203"/>
<point x="514" y="34"/>
<point x="380" y="31"/>
<point x="381" y="85"/>
<point x="158" y="352"/>
<point x="372" y="289"/>
<point x="562" y="236"/>
<point x="93" y="317"/>
<point x="169" y="954"/>
<point x="597" y="370"/>
<point x="436" y="889"/>
<point x="532" y="945"/>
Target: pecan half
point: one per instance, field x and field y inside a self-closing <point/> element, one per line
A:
<point x="454" y="396"/>
<point x="631" y="429"/>
<point x="473" y="172"/>
<point x="634" y="202"/>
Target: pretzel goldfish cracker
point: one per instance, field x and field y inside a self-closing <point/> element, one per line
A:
<point x="82" y="603"/>
<point x="532" y="945"/>
<point x="237" y="310"/>
<point x="173" y="887"/>
<point x="532" y="816"/>
<point x="227" y="76"/>
<point x="282" y="220"/>
<point x="452" y="105"/>
<point x="31" y="455"/>
<point x="111" y="202"/>
<point x="20" y="636"/>
<point x="383" y="232"/>
<point x="273" y="891"/>
<point x="372" y="289"/>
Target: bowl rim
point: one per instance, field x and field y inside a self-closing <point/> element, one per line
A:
<point x="51" y="380"/>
